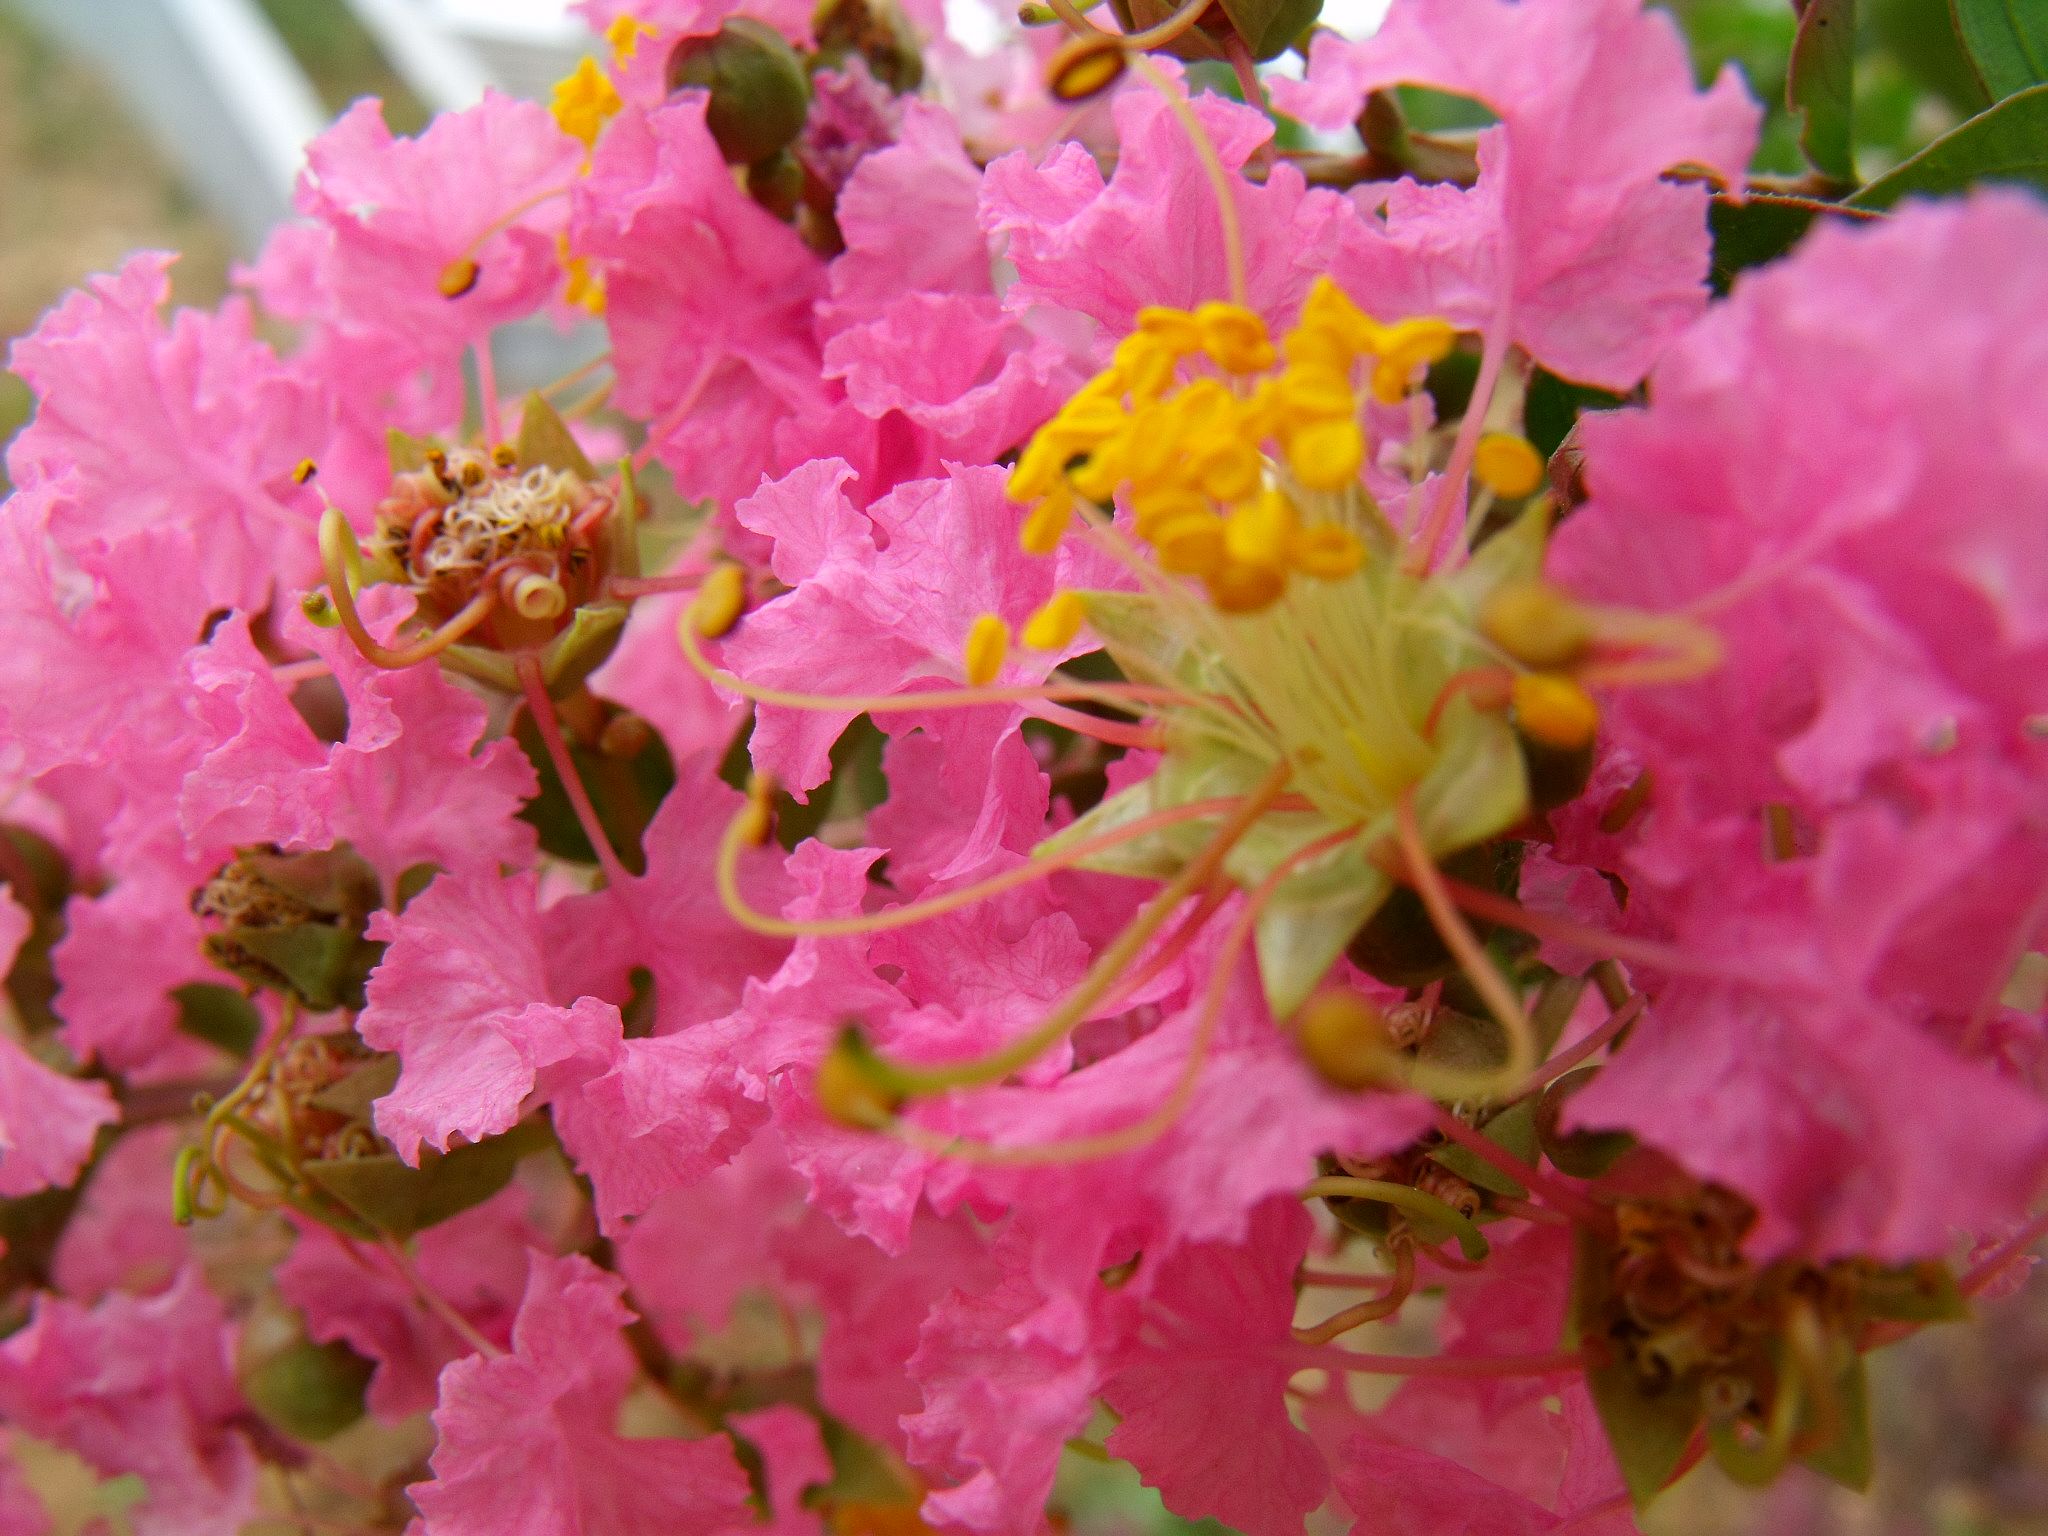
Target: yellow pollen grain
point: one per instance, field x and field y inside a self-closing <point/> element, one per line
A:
<point x="1234" y="337"/>
<point x="1554" y="710"/>
<point x="1055" y="625"/>
<point x="1236" y="588"/>
<point x="1047" y="523"/>
<point x="624" y="35"/>
<point x="1536" y="624"/>
<point x="1190" y="545"/>
<point x="585" y="101"/>
<point x="1174" y="328"/>
<point x="1507" y="465"/>
<point x="1402" y="349"/>
<point x="1325" y="455"/>
<point x="988" y="646"/>
<point x="458" y="277"/>
<point x="720" y="599"/>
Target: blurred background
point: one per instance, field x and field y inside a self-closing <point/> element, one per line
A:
<point x="178" y="124"/>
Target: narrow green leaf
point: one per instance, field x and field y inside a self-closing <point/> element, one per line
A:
<point x="1268" y="26"/>
<point x="1822" y="85"/>
<point x="2007" y="41"/>
<point x="2008" y="142"/>
<point x="544" y="438"/>
<point x="401" y="1200"/>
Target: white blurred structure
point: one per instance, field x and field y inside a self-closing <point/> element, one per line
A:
<point x="221" y="95"/>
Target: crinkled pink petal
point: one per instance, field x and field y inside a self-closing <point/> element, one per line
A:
<point x="193" y="425"/>
<point x="460" y="995"/>
<point x="141" y="1385"/>
<point x="122" y="1236"/>
<point x="1149" y="235"/>
<point x="1201" y="1391"/>
<point x="528" y="1446"/>
<point x="708" y="297"/>
<point x="793" y="1452"/>
<point x="351" y="1292"/>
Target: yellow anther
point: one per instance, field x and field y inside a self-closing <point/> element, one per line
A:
<point x="1536" y="624"/>
<point x="504" y="455"/>
<point x="1238" y="588"/>
<point x="1087" y="419"/>
<point x="1316" y="390"/>
<point x="1038" y="468"/>
<point x="721" y="598"/>
<point x="848" y="1089"/>
<point x="1234" y="337"/>
<point x="585" y="101"/>
<point x="584" y="288"/>
<point x="1327" y="552"/>
<point x="1345" y="1040"/>
<point x="1085" y="66"/>
<point x="1325" y="455"/>
<point x="458" y="277"/>
<point x="1048" y="522"/>
<point x="303" y="471"/>
<point x="1402" y="349"/>
<point x="1097" y="476"/>
<point x="1230" y="471"/>
<point x="755" y="823"/>
<point x="988" y="645"/>
<point x="1153" y="509"/>
<point x="1507" y="465"/>
<point x="1147" y="365"/>
<point x="624" y="35"/>
<point x="1554" y="710"/>
<point x="1318" y="346"/>
<point x="1328" y="310"/>
<point x="1055" y="625"/>
<point x="1176" y="328"/>
<point x="1191" y="545"/>
<point x="1261" y="531"/>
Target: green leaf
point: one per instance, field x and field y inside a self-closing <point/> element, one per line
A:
<point x="310" y="1391"/>
<point x="1847" y="1458"/>
<point x="1822" y="86"/>
<point x="218" y="1015"/>
<point x="1513" y="1129"/>
<point x="354" y="1094"/>
<point x="544" y="438"/>
<point x="2009" y="142"/>
<point x="2007" y="41"/>
<point x="400" y="1200"/>
<point x="1756" y="230"/>
<point x="1268" y="26"/>
<point x="325" y="965"/>
<point x="1649" y="1431"/>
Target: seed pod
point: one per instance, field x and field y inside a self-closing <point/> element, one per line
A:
<point x="760" y="94"/>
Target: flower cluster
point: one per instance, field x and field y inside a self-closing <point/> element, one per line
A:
<point x="1043" y="818"/>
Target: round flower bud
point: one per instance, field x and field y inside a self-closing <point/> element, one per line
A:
<point x="759" y="92"/>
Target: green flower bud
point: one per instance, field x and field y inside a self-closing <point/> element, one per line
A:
<point x="760" y="94"/>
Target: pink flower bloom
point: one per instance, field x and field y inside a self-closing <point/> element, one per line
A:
<point x="883" y="599"/>
<point x="143" y="1386"/>
<point x="1886" y="632"/>
<point x="1200" y="1388"/>
<point x="461" y="996"/>
<point x="1569" y="245"/>
<point x="1149" y="235"/>
<point x="193" y="425"/>
<point x="708" y="297"/>
<point x="528" y="1446"/>
<point x="350" y="1292"/>
<point x="47" y="1120"/>
<point x="122" y="1236"/>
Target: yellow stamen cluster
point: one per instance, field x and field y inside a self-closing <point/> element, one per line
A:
<point x="585" y="101"/>
<point x="1223" y="442"/>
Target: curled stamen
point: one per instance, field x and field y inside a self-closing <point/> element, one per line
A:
<point x="343" y="563"/>
<point x="1561" y="1197"/>
<point x="1102" y="976"/>
<point x="545" y="721"/>
<point x="1398" y="1290"/>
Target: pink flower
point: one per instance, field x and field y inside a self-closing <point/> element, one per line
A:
<point x="528" y="1446"/>
<point x="1149" y="235"/>
<point x="47" y="1120"/>
<point x="193" y="425"/>
<point x="708" y="297"/>
<point x="1570" y="244"/>
<point x="122" y="1236"/>
<point x="1804" y="490"/>
<point x="350" y="1292"/>
<point x="142" y="1386"/>
<point x="461" y="996"/>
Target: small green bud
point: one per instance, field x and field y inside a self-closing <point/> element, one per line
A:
<point x="760" y="94"/>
